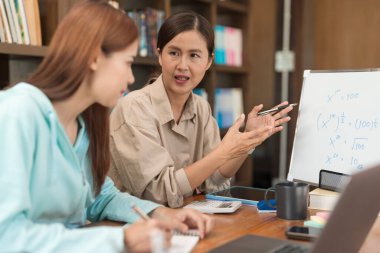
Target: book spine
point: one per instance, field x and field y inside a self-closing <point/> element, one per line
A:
<point x="10" y="20"/>
<point x="8" y="36"/>
<point x="2" y="30"/>
<point x="23" y="22"/>
<point x="229" y="42"/>
<point x="37" y="20"/>
<point x="234" y="46"/>
<point x="152" y="30"/>
<point x="237" y="103"/>
<point x="160" y="19"/>
<point x="239" y="47"/>
<point x="227" y="106"/>
<point x="16" y="22"/>
<point x="220" y="52"/>
<point x="143" y="47"/>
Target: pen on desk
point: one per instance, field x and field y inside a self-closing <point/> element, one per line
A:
<point x="140" y="213"/>
<point x="275" y="109"/>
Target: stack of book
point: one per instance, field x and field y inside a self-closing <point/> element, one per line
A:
<point x="228" y="46"/>
<point x="148" y="21"/>
<point x="228" y="106"/>
<point x="20" y="22"/>
<point x="323" y="199"/>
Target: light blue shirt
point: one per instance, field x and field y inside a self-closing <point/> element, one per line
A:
<point x="46" y="185"/>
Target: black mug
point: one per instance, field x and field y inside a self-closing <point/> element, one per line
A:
<point x="291" y="200"/>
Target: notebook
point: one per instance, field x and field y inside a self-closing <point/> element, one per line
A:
<point x="184" y="243"/>
<point x="345" y="231"/>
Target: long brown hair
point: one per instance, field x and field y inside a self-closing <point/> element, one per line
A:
<point x="86" y="29"/>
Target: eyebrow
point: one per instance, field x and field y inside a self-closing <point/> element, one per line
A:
<point x="191" y="50"/>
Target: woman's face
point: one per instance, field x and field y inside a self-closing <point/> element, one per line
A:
<point x="112" y="75"/>
<point x="184" y="61"/>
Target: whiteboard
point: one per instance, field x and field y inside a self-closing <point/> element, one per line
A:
<point x="338" y="124"/>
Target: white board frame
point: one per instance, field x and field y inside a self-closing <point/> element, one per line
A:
<point x="308" y="159"/>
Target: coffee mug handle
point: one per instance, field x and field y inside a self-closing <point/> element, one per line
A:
<point x="265" y="197"/>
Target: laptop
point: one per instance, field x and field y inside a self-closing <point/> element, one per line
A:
<point x="345" y="231"/>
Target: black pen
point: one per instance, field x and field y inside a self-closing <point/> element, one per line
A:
<point x="275" y="109"/>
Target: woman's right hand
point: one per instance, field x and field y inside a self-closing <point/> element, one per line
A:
<point x="137" y="237"/>
<point x="236" y="143"/>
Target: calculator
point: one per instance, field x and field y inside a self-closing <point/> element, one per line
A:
<point x="214" y="206"/>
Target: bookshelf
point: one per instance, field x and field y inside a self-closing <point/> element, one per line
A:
<point x="18" y="61"/>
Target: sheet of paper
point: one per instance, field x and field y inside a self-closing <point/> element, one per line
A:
<point x="183" y="243"/>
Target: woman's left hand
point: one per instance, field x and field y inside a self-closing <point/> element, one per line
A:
<point x="189" y="217"/>
<point x="255" y="121"/>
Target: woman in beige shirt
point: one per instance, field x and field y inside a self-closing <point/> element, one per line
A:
<point x="165" y="142"/>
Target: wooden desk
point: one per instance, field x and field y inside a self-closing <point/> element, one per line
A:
<point x="247" y="220"/>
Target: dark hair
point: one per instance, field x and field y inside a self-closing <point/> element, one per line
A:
<point x="86" y="29"/>
<point x="185" y="21"/>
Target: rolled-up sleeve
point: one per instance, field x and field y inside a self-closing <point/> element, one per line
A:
<point x="211" y="139"/>
<point x="140" y="164"/>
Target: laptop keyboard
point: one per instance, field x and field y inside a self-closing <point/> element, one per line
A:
<point x="290" y="248"/>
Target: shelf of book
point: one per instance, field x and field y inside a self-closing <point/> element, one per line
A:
<point x="20" y="22"/>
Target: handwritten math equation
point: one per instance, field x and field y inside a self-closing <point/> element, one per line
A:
<point x="346" y="134"/>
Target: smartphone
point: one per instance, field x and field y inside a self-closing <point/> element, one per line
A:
<point x="303" y="233"/>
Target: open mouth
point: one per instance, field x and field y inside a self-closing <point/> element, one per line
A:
<point x="181" y="78"/>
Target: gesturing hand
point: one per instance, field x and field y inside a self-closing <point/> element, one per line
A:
<point x="236" y="143"/>
<point x="276" y="119"/>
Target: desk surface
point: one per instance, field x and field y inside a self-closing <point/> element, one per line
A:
<point x="247" y="220"/>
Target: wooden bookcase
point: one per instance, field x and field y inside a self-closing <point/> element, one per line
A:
<point x="18" y="61"/>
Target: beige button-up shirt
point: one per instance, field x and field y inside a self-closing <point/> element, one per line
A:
<point x="149" y="150"/>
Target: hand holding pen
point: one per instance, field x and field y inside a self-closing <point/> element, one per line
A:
<point x="137" y="237"/>
<point x="174" y="224"/>
<point x="274" y="117"/>
<point x="185" y="218"/>
<point x="276" y="109"/>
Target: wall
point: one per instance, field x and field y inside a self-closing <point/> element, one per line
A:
<point x="333" y="34"/>
<point x="264" y="43"/>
